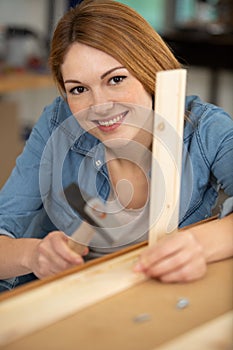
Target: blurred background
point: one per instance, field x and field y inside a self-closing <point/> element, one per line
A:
<point x="199" y="32"/>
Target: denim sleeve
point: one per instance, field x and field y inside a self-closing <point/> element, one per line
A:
<point x="21" y="209"/>
<point x="216" y="138"/>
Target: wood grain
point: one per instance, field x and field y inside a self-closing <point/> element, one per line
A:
<point x="110" y="323"/>
<point x="167" y="152"/>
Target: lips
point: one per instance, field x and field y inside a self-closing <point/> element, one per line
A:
<point x="112" y="122"/>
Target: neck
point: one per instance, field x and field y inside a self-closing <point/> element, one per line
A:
<point x="134" y="154"/>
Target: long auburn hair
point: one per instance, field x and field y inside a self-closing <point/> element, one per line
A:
<point x="117" y="30"/>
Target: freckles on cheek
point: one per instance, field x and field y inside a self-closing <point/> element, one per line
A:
<point x="74" y="107"/>
<point x="130" y="95"/>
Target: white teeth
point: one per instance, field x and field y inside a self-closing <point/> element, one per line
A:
<point x="111" y="121"/>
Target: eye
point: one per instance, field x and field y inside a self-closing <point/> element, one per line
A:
<point x="77" y="90"/>
<point x="117" y="79"/>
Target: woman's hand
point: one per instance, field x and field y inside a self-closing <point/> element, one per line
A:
<point x="178" y="257"/>
<point x="183" y="256"/>
<point x="52" y="255"/>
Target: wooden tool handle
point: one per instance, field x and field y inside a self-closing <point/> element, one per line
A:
<point x="77" y="247"/>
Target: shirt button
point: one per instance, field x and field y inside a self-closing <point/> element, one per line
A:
<point x="98" y="162"/>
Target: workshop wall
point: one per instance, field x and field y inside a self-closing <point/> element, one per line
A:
<point x="23" y="108"/>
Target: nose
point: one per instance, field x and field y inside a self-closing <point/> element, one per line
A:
<point x="102" y="109"/>
<point x="101" y="103"/>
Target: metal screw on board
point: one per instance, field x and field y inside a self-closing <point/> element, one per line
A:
<point x="182" y="303"/>
<point x="142" y="318"/>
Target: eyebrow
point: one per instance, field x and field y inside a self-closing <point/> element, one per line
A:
<point x="101" y="77"/>
<point x="110" y="71"/>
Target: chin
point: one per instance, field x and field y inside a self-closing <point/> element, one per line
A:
<point x="115" y="143"/>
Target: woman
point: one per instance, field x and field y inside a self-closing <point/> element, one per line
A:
<point x="104" y="58"/>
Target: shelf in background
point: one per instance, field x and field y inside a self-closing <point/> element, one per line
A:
<point x="24" y="80"/>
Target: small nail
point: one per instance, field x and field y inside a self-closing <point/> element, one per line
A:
<point x="182" y="303"/>
<point x="142" y="318"/>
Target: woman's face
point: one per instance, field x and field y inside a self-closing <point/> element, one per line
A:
<point x="108" y="101"/>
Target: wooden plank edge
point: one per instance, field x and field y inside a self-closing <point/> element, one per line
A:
<point x="39" y="301"/>
<point x="213" y="335"/>
<point x="35" y="284"/>
<point x="44" y="297"/>
<point x="51" y="302"/>
<point x="167" y="152"/>
<point x="38" y="283"/>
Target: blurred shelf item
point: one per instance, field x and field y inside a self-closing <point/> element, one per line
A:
<point x="11" y="82"/>
<point x="11" y="142"/>
<point x="199" y="48"/>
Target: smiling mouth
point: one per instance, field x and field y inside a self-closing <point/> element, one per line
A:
<point x="111" y="121"/>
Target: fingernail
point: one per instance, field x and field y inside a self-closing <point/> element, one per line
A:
<point x="78" y="261"/>
<point x="138" y="267"/>
<point x="85" y="251"/>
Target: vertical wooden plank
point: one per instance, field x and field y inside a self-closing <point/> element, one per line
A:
<point x="167" y="152"/>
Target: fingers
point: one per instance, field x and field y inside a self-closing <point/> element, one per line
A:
<point x="77" y="247"/>
<point x="60" y="246"/>
<point x="54" y="255"/>
<point x="175" y="258"/>
<point x="187" y="273"/>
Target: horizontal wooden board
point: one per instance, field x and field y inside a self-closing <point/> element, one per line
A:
<point x="114" y="323"/>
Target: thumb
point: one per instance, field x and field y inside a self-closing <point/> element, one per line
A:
<point x="77" y="247"/>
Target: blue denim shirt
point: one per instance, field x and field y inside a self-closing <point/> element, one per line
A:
<point x="59" y="152"/>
